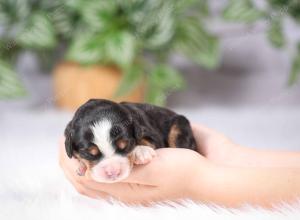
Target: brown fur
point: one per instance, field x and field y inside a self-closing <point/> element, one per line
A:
<point x="145" y="142"/>
<point x="173" y="134"/>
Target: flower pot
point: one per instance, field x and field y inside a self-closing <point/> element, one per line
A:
<point x="75" y="84"/>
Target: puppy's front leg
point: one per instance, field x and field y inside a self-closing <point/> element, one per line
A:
<point x="142" y="154"/>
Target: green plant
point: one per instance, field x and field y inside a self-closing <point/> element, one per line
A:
<point x="274" y="13"/>
<point x="138" y="36"/>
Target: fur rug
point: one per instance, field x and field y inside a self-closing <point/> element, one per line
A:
<point x="32" y="186"/>
<point x="46" y="194"/>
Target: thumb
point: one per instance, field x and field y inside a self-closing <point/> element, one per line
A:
<point x="144" y="174"/>
<point x="149" y="174"/>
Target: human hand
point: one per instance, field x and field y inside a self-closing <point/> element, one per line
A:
<point x="169" y="176"/>
<point x="181" y="173"/>
<point x="214" y="145"/>
<point x="155" y="181"/>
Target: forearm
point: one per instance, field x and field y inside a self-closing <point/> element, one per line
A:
<point x="233" y="187"/>
<point x="251" y="157"/>
<point x="221" y="150"/>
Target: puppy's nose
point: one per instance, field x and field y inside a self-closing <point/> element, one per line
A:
<point x="112" y="171"/>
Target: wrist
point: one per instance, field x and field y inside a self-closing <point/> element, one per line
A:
<point x="201" y="179"/>
<point x="212" y="184"/>
<point x="231" y="154"/>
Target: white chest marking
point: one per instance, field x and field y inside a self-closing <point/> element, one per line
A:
<point x="101" y="131"/>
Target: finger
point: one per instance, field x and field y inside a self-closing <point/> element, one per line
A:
<point x="76" y="181"/>
<point x="203" y="135"/>
<point x="61" y="145"/>
<point x="146" y="174"/>
<point x="125" y="192"/>
<point x="142" y="174"/>
<point x="78" y="166"/>
<point x="70" y="168"/>
<point x="72" y="165"/>
<point x="167" y="159"/>
<point x="201" y="132"/>
<point x="151" y="174"/>
<point x="90" y="187"/>
<point x="82" y="189"/>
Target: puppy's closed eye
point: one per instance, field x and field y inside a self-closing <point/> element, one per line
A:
<point x="91" y="153"/>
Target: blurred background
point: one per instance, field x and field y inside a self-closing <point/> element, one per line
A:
<point x="232" y="65"/>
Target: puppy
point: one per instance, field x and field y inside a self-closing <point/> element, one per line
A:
<point x="108" y="138"/>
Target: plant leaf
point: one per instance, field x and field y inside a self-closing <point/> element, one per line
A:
<point x="38" y="33"/>
<point x="120" y="48"/>
<point x="275" y="34"/>
<point x="13" y="10"/>
<point x="295" y="70"/>
<point x="99" y="15"/>
<point x="201" y="6"/>
<point x="241" y="11"/>
<point x="63" y="21"/>
<point x="166" y="77"/>
<point x="131" y="79"/>
<point x="85" y="49"/>
<point x="75" y="5"/>
<point x="162" y="80"/>
<point x="10" y="86"/>
<point x="163" y="28"/>
<point x="197" y="44"/>
<point x="279" y="3"/>
<point x="153" y="22"/>
<point x="156" y="96"/>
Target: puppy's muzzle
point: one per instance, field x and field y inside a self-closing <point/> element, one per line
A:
<point x="113" y="169"/>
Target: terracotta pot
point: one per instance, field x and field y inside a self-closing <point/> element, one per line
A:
<point x="75" y="84"/>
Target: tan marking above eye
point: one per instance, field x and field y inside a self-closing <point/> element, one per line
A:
<point x="93" y="150"/>
<point x="122" y="144"/>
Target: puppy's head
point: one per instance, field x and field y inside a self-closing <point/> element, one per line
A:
<point x="101" y="135"/>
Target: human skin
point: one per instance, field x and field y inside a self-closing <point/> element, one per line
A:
<point x="225" y="174"/>
<point x="220" y="149"/>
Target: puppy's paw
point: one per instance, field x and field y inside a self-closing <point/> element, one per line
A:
<point x="81" y="169"/>
<point x="142" y="154"/>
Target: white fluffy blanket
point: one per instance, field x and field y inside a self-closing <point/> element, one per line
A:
<point x="33" y="187"/>
<point x="45" y="194"/>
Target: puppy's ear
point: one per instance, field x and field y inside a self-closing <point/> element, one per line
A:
<point x="143" y="132"/>
<point x="68" y="141"/>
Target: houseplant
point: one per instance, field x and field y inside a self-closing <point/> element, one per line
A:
<point x="134" y="37"/>
<point x="274" y="13"/>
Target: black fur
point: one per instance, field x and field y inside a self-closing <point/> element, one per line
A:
<point x="132" y="122"/>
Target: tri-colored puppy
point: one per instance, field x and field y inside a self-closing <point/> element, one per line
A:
<point x="108" y="138"/>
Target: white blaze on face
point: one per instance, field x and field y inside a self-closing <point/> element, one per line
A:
<point x="101" y="132"/>
<point x="111" y="161"/>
